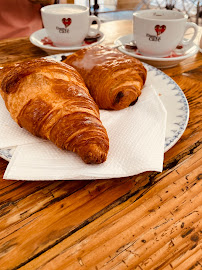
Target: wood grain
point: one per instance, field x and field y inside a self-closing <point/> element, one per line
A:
<point x="144" y="222"/>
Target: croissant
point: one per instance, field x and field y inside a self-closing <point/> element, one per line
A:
<point x="114" y="80"/>
<point x="51" y="101"/>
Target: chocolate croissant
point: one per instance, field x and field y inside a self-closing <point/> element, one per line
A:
<point x="114" y="80"/>
<point x="51" y="101"/>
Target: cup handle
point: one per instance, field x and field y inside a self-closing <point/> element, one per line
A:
<point x="185" y="42"/>
<point x="93" y="31"/>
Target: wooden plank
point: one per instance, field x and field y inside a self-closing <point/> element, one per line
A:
<point x="52" y="220"/>
<point x="22" y="201"/>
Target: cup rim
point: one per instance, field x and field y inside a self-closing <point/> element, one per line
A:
<point x="45" y="9"/>
<point x="138" y="14"/>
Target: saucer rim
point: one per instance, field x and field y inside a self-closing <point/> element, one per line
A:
<point x="32" y="37"/>
<point x="160" y="59"/>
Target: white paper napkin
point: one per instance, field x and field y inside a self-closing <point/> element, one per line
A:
<point x="136" y="135"/>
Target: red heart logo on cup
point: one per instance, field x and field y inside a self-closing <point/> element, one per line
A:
<point x="160" y="29"/>
<point x="67" y="21"/>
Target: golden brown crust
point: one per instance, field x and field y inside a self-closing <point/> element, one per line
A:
<point x="51" y="101"/>
<point x="115" y="80"/>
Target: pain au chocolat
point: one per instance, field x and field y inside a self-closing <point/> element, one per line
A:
<point x="115" y="80"/>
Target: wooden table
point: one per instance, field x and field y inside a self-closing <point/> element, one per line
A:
<point x="148" y="221"/>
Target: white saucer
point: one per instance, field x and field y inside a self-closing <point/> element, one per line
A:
<point x="41" y="40"/>
<point x="160" y="62"/>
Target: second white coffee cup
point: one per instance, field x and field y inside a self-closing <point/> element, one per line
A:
<point x="158" y="32"/>
<point x="68" y="24"/>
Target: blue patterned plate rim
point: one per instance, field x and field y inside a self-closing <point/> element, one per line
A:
<point x="188" y="51"/>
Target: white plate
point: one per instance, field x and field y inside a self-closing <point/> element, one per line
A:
<point x="170" y="94"/>
<point x="160" y="62"/>
<point x="41" y="40"/>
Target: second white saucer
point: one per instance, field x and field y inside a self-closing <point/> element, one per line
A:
<point x="160" y="62"/>
<point x="41" y="40"/>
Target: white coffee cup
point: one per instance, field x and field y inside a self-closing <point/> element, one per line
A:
<point x="68" y="24"/>
<point x="158" y="32"/>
